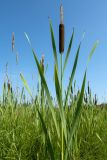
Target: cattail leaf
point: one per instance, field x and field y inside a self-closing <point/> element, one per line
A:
<point x="68" y="52"/>
<point x="92" y="51"/>
<point x="27" y="38"/>
<point x="25" y="84"/>
<point x="45" y="87"/>
<point x="1" y="110"/>
<point x="49" y="145"/>
<point x="75" y="117"/>
<point x="53" y="45"/>
<point x="57" y="87"/>
<point x="59" y="99"/>
<point x="21" y="96"/>
<point x="99" y="137"/>
<point x="47" y="93"/>
<point x="72" y="75"/>
<point x="46" y="68"/>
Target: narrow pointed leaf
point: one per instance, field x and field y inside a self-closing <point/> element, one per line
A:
<point x="68" y="52"/>
<point x="57" y="87"/>
<point x="27" y="38"/>
<point x="53" y="45"/>
<point x="25" y="84"/>
<point x="47" y="93"/>
<point x="49" y="145"/>
<point x="44" y="81"/>
<point x="76" y="117"/>
<point x="92" y="51"/>
<point x="72" y="75"/>
<point x="59" y="99"/>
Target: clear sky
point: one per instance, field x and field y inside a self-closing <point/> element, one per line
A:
<point x="31" y="16"/>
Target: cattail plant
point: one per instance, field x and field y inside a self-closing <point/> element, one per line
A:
<point x="61" y="50"/>
<point x="88" y="88"/>
<point x="95" y="100"/>
<point x="63" y="133"/>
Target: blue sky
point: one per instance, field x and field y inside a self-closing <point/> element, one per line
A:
<point x="31" y="16"/>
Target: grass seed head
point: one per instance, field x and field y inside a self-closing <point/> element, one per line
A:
<point x="13" y="41"/>
<point x="42" y="63"/>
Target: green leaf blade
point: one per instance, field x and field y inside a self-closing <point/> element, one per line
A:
<point x="92" y="51"/>
<point x="76" y="117"/>
<point x="72" y="75"/>
<point x="49" y="145"/>
<point x="25" y="84"/>
<point x="53" y="45"/>
<point x="47" y="93"/>
<point x="68" y="52"/>
<point x="59" y="99"/>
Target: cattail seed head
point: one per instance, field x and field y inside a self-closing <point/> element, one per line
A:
<point x="61" y="30"/>
<point x="95" y="102"/>
<point x="11" y="90"/>
<point x="61" y="38"/>
<point x="8" y="85"/>
<point x="88" y="88"/>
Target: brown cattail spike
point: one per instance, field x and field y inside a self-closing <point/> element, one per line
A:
<point x="9" y="86"/>
<point x="61" y="31"/>
<point x="61" y="38"/>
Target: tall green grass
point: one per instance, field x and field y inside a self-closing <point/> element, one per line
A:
<point x="22" y="135"/>
<point x="69" y="129"/>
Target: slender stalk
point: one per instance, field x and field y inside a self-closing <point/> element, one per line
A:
<point x="62" y="136"/>
<point x="61" y="75"/>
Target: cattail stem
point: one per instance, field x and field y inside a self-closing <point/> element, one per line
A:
<point x="61" y="75"/>
<point x="62" y="134"/>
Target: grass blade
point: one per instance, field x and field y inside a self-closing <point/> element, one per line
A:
<point x="68" y="52"/>
<point x="59" y="99"/>
<point x="27" y="38"/>
<point x="53" y="45"/>
<point x="44" y="81"/>
<point x="49" y="145"/>
<point x="72" y="75"/>
<point x="92" y="51"/>
<point x="25" y="84"/>
<point x="76" y="117"/>
<point x="47" y="93"/>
